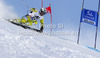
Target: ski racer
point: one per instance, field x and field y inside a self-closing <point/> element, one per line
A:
<point x="32" y="17"/>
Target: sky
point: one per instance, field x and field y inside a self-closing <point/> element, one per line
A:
<point x="66" y="12"/>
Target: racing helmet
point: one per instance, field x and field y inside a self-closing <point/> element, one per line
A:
<point x="43" y="11"/>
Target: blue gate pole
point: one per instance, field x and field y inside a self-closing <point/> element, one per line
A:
<point x="79" y="33"/>
<point x="97" y="27"/>
<point x="80" y="25"/>
<point x="96" y="37"/>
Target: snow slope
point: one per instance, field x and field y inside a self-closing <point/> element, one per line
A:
<point x="16" y="42"/>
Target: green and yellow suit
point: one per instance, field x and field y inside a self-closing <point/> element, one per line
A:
<point x="32" y="18"/>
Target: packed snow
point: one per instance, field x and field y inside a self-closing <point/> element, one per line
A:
<point x="16" y="42"/>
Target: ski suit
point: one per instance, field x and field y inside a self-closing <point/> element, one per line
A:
<point x="32" y="18"/>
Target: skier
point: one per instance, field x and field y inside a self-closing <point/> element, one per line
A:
<point x="33" y="16"/>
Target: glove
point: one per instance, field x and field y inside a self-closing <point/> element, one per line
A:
<point x="41" y="29"/>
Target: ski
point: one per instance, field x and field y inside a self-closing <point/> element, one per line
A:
<point x="23" y="26"/>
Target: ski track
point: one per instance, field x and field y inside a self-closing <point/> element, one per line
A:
<point x="16" y="42"/>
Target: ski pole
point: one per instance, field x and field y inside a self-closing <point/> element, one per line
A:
<point x="25" y="4"/>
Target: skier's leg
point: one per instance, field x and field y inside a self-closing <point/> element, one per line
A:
<point x="28" y="18"/>
<point x="35" y="22"/>
<point x="23" y="20"/>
